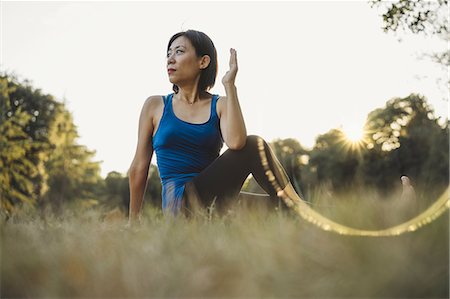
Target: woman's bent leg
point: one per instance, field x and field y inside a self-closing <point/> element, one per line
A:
<point x="223" y="179"/>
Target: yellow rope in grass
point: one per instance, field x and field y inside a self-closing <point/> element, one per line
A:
<point x="293" y="201"/>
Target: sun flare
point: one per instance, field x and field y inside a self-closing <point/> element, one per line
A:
<point x="353" y="134"/>
<point x="354" y="137"/>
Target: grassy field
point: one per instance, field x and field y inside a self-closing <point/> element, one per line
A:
<point x="251" y="252"/>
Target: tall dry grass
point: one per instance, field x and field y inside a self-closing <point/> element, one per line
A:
<point x="250" y="252"/>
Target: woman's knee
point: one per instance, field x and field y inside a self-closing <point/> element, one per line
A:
<point x="254" y="142"/>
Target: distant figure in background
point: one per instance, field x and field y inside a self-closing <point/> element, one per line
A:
<point x="408" y="193"/>
<point x="408" y="200"/>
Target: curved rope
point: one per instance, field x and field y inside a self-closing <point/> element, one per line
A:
<point x="293" y="201"/>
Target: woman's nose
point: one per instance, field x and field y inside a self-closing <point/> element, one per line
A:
<point x="170" y="58"/>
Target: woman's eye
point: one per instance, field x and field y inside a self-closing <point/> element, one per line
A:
<point x="168" y="54"/>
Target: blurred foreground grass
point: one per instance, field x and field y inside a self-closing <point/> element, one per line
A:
<point x="253" y="251"/>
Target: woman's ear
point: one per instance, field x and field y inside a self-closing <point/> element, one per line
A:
<point x="204" y="62"/>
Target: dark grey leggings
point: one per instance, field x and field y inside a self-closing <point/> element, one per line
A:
<point x="222" y="180"/>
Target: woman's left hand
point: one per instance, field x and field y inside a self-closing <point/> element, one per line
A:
<point x="230" y="75"/>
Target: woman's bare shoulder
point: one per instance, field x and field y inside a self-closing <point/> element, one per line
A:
<point x="154" y="103"/>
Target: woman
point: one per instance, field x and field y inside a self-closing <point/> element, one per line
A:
<point x="187" y="129"/>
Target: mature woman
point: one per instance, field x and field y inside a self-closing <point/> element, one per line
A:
<point x="187" y="129"/>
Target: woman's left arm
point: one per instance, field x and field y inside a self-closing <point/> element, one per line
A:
<point x="232" y="123"/>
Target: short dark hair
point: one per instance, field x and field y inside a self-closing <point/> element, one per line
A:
<point x="203" y="45"/>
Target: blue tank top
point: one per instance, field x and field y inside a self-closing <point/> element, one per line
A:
<point x="183" y="150"/>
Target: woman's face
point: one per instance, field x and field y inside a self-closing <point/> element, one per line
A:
<point x="183" y="65"/>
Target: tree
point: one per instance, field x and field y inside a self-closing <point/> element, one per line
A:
<point x="334" y="160"/>
<point x="419" y="17"/>
<point x="116" y="190"/>
<point x="40" y="158"/>
<point x="16" y="168"/>
<point x="429" y="17"/>
<point x="71" y="171"/>
<point x="405" y="137"/>
<point x="22" y="147"/>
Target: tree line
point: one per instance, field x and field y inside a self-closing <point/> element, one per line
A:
<point x="402" y="138"/>
<point x="43" y="166"/>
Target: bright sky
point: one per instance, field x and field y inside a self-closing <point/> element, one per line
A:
<point x="304" y="67"/>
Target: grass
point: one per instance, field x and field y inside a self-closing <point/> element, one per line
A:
<point x="251" y="252"/>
